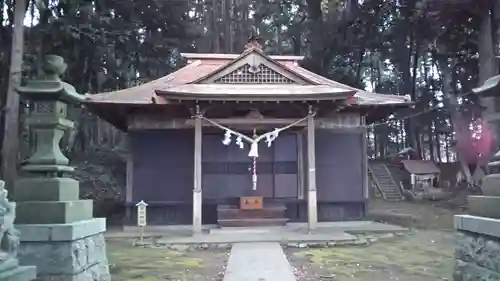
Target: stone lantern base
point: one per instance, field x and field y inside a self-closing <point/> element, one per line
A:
<point x="484" y="206"/>
<point x="488" y="204"/>
<point x="477" y="252"/>
<point x="66" y="252"/>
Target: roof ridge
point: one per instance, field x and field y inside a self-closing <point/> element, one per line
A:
<point x="247" y="52"/>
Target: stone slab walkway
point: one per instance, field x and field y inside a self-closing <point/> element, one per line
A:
<point x="258" y="262"/>
<point x="326" y="231"/>
<point x="230" y="237"/>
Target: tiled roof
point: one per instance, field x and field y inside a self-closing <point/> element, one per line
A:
<point x="420" y="167"/>
<point x="203" y="65"/>
<point x="362" y="97"/>
<point x="143" y="94"/>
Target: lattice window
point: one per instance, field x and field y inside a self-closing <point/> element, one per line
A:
<point x="44" y="107"/>
<point x="251" y="75"/>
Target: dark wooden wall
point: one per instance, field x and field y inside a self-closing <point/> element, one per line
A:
<point x="163" y="165"/>
<point x="339" y="174"/>
<point x="163" y="174"/>
<point x="227" y="170"/>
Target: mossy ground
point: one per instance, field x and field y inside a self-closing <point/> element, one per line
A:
<point x="422" y="256"/>
<point x="133" y="263"/>
<point x="425" y="255"/>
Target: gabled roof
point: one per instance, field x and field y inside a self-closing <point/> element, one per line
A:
<point x="255" y="57"/>
<point x="253" y="75"/>
<point x="421" y="167"/>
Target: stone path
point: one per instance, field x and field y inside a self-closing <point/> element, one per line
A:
<point x="258" y="262"/>
<point x="290" y="232"/>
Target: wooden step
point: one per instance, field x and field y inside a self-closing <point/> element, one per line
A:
<point x="269" y="211"/>
<point x="252" y="222"/>
<point x="267" y="206"/>
<point x="251" y="214"/>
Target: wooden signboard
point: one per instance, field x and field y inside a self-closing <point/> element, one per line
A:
<point x="251" y="202"/>
<point x="142" y="218"/>
<point x="141" y="214"/>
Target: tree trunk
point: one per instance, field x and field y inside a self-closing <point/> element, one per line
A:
<point x="10" y="142"/>
<point x="314" y="36"/>
<point x="437" y="137"/>
<point x="447" y="147"/>
<point x="229" y="23"/>
<point x="430" y="140"/>
<point x="450" y="101"/>
<point x="403" y="51"/>
<point x="416" y="133"/>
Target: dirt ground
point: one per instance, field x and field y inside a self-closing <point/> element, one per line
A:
<point x="424" y="255"/>
<point x="420" y="215"/>
<point x="132" y="263"/>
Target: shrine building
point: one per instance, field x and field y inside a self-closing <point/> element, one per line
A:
<point x="245" y="140"/>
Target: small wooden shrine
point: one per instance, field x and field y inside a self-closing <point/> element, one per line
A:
<point x="243" y="140"/>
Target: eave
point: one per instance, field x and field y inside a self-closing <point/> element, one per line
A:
<point x="245" y="92"/>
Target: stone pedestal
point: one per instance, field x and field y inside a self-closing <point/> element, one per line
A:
<point x="477" y="252"/>
<point x="18" y="273"/>
<point x="59" y="234"/>
<point x="66" y="252"/>
<point x="489" y="204"/>
<point x="10" y="270"/>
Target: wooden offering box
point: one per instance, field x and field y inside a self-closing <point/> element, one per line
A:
<point x="251" y="203"/>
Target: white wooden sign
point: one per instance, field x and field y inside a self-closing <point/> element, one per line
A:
<point x="141" y="213"/>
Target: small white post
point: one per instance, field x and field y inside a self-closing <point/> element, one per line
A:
<point x="413" y="182"/>
<point x="142" y="218"/>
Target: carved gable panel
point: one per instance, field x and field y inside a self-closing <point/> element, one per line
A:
<point x="248" y="74"/>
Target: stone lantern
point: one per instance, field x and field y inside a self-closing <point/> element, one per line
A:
<point x="488" y="204"/>
<point x="58" y="232"/>
<point x="478" y="233"/>
<point x="48" y="119"/>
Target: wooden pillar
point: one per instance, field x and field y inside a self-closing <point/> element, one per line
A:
<point x="312" y="206"/>
<point x="129" y="189"/>
<point x="197" y="198"/>
<point x="364" y="155"/>
<point x="127" y="154"/>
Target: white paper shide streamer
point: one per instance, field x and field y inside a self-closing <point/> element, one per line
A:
<point x="268" y="137"/>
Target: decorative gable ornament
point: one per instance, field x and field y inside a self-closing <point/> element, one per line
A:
<point x="257" y="73"/>
<point x="253" y="42"/>
<point x="254" y="68"/>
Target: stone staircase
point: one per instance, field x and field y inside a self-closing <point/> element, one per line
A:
<point x="269" y="215"/>
<point x="388" y="188"/>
